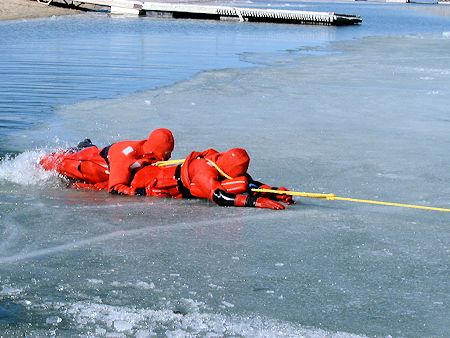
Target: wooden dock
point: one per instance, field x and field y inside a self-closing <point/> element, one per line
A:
<point x="212" y="12"/>
<point x="191" y="11"/>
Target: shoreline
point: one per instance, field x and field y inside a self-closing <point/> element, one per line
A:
<point x="31" y="9"/>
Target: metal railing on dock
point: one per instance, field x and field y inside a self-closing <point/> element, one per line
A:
<point x="197" y="11"/>
<point x="248" y="14"/>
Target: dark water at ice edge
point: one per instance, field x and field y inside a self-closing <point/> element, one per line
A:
<point x="50" y="62"/>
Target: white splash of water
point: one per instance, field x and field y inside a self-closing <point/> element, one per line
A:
<point x="24" y="169"/>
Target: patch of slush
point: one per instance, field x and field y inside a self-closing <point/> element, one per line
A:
<point x="138" y="285"/>
<point x="8" y="290"/>
<point x="94" y="318"/>
<point x="24" y="169"/>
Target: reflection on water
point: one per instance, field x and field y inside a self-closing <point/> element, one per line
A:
<point x="48" y="62"/>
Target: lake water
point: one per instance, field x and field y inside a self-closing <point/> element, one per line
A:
<point x="359" y="111"/>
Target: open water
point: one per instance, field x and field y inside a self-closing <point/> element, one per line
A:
<point x="359" y="111"/>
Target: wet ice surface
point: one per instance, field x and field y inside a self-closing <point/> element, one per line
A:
<point x="367" y="118"/>
<point x="143" y="266"/>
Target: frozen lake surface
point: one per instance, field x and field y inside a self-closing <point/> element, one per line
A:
<point x="358" y="111"/>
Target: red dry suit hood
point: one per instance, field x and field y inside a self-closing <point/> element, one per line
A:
<point x="160" y="142"/>
<point x="233" y="162"/>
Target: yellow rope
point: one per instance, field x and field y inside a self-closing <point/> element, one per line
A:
<point x="333" y="197"/>
<point x="392" y="204"/>
<point x="168" y="162"/>
<point x="329" y="197"/>
<point x="223" y="173"/>
<point x="296" y="193"/>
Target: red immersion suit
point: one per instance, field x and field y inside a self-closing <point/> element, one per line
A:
<point x="111" y="167"/>
<point x="85" y="165"/>
<point x="127" y="157"/>
<point x="219" y="177"/>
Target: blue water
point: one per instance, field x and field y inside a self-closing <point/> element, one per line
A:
<point x="359" y="111"/>
<point x="49" y="62"/>
<point x="45" y="63"/>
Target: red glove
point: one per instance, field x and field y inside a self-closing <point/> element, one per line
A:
<point x="262" y="202"/>
<point x="277" y="197"/>
<point x="151" y="190"/>
<point x="122" y="189"/>
<point x="283" y="197"/>
<point x="257" y="202"/>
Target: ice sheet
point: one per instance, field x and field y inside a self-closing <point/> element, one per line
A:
<point x="369" y="118"/>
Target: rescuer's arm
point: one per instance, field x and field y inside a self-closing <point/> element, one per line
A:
<point x="119" y="173"/>
<point x="205" y="183"/>
<point x="278" y="197"/>
<point x="223" y="198"/>
<point x="117" y="187"/>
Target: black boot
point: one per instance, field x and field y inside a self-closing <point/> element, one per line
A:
<point x="86" y="143"/>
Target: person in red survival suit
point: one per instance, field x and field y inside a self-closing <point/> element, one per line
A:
<point x="82" y="163"/>
<point x="219" y="177"/>
<point x="113" y="166"/>
<point x="126" y="157"/>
